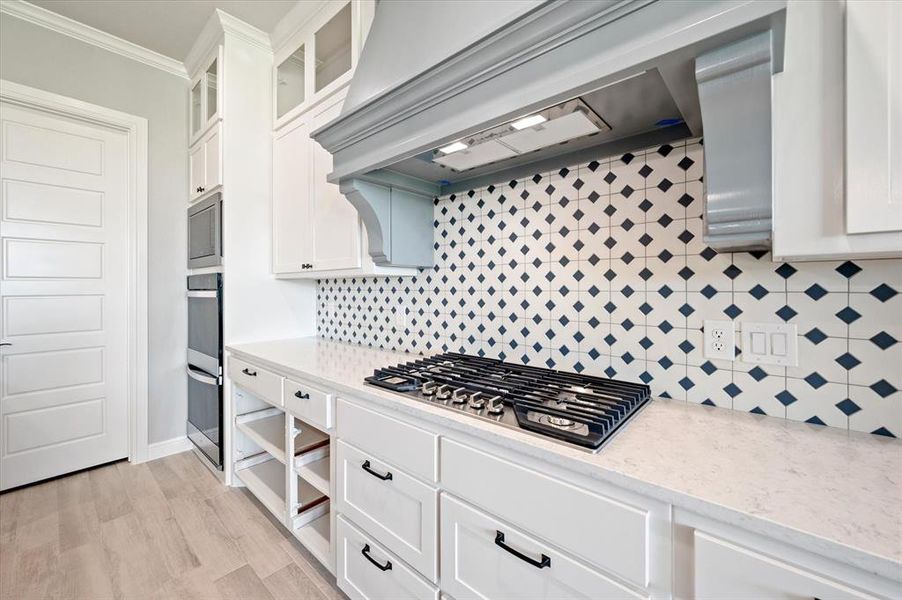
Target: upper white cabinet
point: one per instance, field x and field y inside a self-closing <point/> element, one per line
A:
<point x="315" y="228"/>
<point x="205" y="95"/>
<point x="837" y="150"/>
<point x="319" y="57"/>
<point x="316" y="232"/>
<point x="873" y="117"/>
<point x="205" y="163"/>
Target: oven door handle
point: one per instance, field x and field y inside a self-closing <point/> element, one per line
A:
<point x="202" y="294"/>
<point x="202" y="377"/>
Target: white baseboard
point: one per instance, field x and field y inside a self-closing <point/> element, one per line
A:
<point x="167" y="447"/>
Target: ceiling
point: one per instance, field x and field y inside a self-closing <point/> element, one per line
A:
<point x="165" y="26"/>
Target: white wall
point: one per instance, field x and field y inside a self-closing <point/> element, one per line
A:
<point x="43" y="59"/>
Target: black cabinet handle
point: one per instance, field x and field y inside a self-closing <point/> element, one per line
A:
<point x="366" y="554"/>
<point x="5" y="344"/>
<point x="539" y="564"/>
<point x="301" y="395"/>
<point x="249" y="373"/>
<point x="200" y="189"/>
<point x="368" y="469"/>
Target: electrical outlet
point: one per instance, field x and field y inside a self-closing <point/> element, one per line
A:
<point x="400" y="319"/>
<point x="720" y="340"/>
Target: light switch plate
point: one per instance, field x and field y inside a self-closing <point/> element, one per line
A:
<point x="720" y="340"/>
<point x="770" y="343"/>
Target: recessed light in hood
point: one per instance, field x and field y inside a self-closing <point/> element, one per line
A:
<point x="555" y="125"/>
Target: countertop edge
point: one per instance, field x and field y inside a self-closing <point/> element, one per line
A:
<point x="872" y="563"/>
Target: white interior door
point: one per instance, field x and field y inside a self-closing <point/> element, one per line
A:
<point x="63" y="295"/>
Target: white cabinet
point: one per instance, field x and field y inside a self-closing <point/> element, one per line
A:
<point x="205" y="163"/>
<point x="724" y="570"/>
<point x="318" y="58"/>
<point x="485" y="558"/>
<point x="367" y="571"/>
<point x="401" y="511"/>
<point x="315" y="228"/>
<point x="205" y="97"/>
<point x="837" y="153"/>
<point x="873" y="117"/>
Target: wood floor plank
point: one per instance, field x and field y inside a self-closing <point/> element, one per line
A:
<point x="110" y="494"/>
<point x="36" y="501"/>
<point x="75" y="489"/>
<point x="311" y="567"/>
<point x="83" y="573"/>
<point x="137" y="569"/>
<point x="143" y="490"/>
<point x="38" y="532"/>
<point x="204" y="482"/>
<point x="291" y="583"/>
<point x="242" y="584"/>
<point x="78" y="525"/>
<point x="33" y="572"/>
<point x="193" y="585"/>
<point x="207" y="536"/>
<point x="169" y="480"/>
<point x="9" y="510"/>
<point x="169" y="541"/>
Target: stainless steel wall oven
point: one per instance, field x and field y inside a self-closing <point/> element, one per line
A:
<point x="205" y="425"/>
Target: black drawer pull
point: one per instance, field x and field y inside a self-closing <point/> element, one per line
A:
<point x="539" y="564"/>
<point x="301" y="395"/>
<point x="368" y="469"/>
<point x="366" y="554"/>
<point x="249" y="373"/>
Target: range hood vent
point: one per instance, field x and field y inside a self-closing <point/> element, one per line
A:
<point x="441" y="91"/>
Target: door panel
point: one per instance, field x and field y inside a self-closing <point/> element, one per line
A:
<point x="63" y="295"/>
<point x="336" y="225"/>
<point x="291" y="199"/>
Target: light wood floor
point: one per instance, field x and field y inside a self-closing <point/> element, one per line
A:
<point x="165" y="529"/>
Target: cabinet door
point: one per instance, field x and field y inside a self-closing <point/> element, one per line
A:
<point x="198" y="168"/>
<point x="212" y="158"/>
<point x="196" y="101"/>
<point x="873" y="134"/>
<point x="291" y="243"/>
<point x="336" y="228"/>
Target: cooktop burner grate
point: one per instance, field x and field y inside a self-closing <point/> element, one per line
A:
<point x="578" y="409"/>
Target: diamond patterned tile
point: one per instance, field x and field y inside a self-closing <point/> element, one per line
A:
<point x="524" y="271"/>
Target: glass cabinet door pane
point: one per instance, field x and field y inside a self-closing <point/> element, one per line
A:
<point x="290" y="82"/>
<point x="196" y="106"/>
<point x="211" y="90"/>
<point x="333" y="48"/>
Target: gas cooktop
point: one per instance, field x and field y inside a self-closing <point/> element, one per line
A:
<point x="576" y="409"/>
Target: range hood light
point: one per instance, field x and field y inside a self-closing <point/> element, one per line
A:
<point x="455" y="147"/>
<point x="528" y="122"/>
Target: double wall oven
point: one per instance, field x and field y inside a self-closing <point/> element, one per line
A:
<point x="205" y="389"/>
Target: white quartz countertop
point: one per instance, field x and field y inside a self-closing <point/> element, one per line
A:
<point x="830" y="491"/>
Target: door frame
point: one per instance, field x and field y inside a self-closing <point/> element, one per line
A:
<point x="135" y="129"/>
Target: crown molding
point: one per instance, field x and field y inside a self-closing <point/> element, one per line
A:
<point x="85" y="33"/>
<point x="240" y="29"/>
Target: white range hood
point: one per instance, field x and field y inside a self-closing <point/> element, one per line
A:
<point x="442" y="87"/>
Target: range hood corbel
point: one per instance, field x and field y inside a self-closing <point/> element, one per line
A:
<point x="397" y="214"/>
<point x="734" y="91"/>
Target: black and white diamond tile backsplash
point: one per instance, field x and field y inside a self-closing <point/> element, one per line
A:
<point x="601" y="268"/>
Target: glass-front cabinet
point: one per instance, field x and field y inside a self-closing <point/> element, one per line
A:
<point x="205" y="96"/>
<point x="318" y="60"/>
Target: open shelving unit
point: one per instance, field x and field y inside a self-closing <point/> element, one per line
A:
<point x="285" y="463"/>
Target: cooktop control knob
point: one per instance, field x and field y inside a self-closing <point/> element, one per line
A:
<point x="496" y="406"/>
<point x="477" y="401"/>
<point x="459" y="396"/>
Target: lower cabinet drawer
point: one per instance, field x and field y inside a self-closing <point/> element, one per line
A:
<point x="260" y="382"/>
<point x="400" y="511"/>
<point x="615" y="538"/>
<point x="483" y="558"/>
<point x="413" y="449"/>
<point x="308" y="404"/>
<point x="367" y="571"/>
<point x="725" y="570"/>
